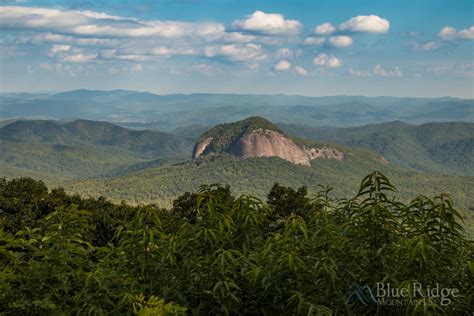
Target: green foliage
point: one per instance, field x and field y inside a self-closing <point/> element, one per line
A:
<point x="215" y="253"/>
<point x="83" y="148"/>
<point x="432" y="147"/>
<point x="256" y="176"/>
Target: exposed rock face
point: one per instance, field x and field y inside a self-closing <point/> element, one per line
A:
<point x="267" y="143"/>
<point x="200" y="148"/>
<point x="324" y="153"/>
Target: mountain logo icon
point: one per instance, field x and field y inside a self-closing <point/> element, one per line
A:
<point x="363" y="294"/>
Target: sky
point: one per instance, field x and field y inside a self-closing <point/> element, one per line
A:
<point x="422" y="48"/>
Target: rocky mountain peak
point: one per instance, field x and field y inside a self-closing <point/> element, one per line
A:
<point x="256" y="137"/>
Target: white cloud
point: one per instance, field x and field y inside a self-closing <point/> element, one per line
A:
<point x="301" y="71"/>
<point x="449" y="33"/>
<point x="340" y="41"/>
<point x="268" y="23"/>
<point x="237" y="37"/>
<point x="314" y="41"/>
<point x="236" y="52"/>
<point x="379" y="71"/>
<point x="366" y="23"/>
<point x="89" y="23"/>
<point x="168" y="51"/>
<point x="324" y="29"/>
<point x="55" y="49"/>
<point x="286" y="53"/>
<point x="467" y="34"/>
<point x="282" y="65"/>
<point x="325" y="60"/>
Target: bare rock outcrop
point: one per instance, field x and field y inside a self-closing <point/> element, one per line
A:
<point x="201" y="148"/>
<point x="262" y="142"/>
<point x="267" y="143"/>
<point x="324" y="153"/>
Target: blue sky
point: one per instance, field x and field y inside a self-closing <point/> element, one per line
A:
<point x="358" y="47"/>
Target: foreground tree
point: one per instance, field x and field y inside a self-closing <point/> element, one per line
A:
<point x="214" y="253"/>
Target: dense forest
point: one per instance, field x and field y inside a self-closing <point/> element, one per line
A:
<point x="216" y="253"/>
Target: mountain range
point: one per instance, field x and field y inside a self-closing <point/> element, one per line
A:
<point x="100" y="158"/>
<point x="165" y="112"/>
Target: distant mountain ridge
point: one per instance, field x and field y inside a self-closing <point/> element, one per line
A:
<point x="170" y="111"/>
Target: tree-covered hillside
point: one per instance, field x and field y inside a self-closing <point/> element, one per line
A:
<point x="52" y="150"/>
<point x="161" y="184"/>
<point x="215" y="253"/>
<point x="149" y="144"/>
<point x="432" y="147"/>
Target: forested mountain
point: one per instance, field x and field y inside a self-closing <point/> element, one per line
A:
<point x="81" y="148"/>
<point x="431" y="147"/>
<point x="149" y="144"/>
<point x="170" y="111"/>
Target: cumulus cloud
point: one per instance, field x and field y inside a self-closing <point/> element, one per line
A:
<point x="309" y="41"/>
<point x="324" y="60"/>
<point x="366" y="23"/>
<point x="467" y="34"/>
<point x="340" y="41"/>
<point x="324" y="29"/>
<point x="449" y="33"/>
<point x="379" y="71"/>
<point x="268" y="23"/>
<point x="236" y="52"/>
<point x="282" y="65"/>
<point x="301" y="71"/>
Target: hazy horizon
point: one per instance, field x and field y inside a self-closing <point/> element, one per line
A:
<point x="231" y="93"/>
